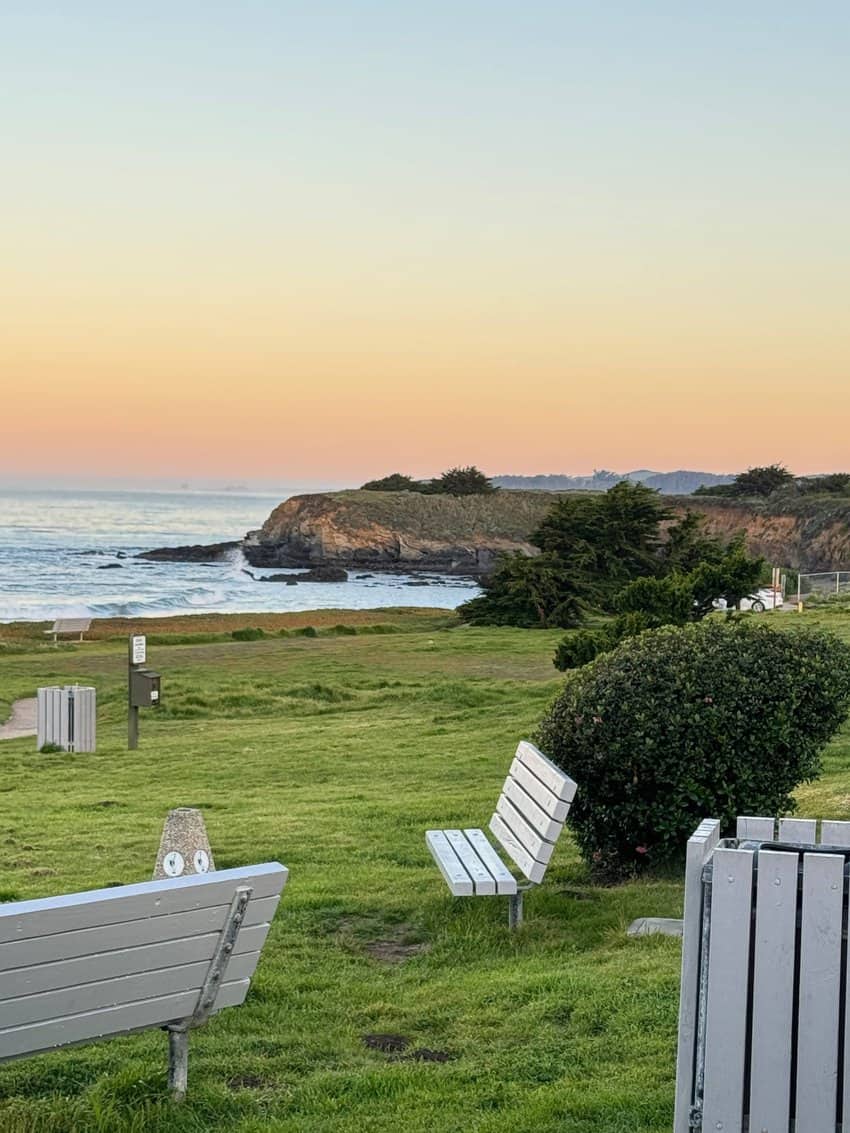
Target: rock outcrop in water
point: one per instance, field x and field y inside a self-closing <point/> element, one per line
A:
<point x="408" y="531"/>
<point x="397" y="531"/>
<point x="198" y="553"/>
<point x="412" y="532"/>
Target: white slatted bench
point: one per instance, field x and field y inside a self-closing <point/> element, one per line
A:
<point x="69" y="625"/>
<point x="161" y="954"/>
<point x="529" y="817"/>
<point x="764" y="1013"/>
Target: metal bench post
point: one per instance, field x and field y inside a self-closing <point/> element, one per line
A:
<point x="178" y="1062"/>
<point x="515" y="909"/>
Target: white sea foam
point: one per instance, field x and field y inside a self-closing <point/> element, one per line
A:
<point x="54" y="544"/>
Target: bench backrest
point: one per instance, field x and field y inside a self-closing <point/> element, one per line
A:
<point x="87" y="965"/>
<point x="71" y="625"/>
<point x="532" y="809"/>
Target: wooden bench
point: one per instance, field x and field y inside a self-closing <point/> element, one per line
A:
<point x="161" y="954"/>
<point x="529" y="818"/>
<point x="69" y="625"/>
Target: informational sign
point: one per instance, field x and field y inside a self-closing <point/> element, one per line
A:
<point x="138" y="649"/>
<point x="201" y="861"/>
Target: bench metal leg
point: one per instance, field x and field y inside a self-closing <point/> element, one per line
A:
<point x="178" y="1063"/>
<point x="515" y="910"/>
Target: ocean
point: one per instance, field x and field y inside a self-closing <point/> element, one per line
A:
<point x="54" y="546"/>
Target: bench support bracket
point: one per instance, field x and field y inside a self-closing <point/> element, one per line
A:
<point x="178" y="1034"/>
<point x="221" y="956"/>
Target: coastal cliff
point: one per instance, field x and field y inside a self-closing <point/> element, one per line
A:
<point x="808" y="534"/>
<point x="403" y="531"/>
<point x="408" y="531"/>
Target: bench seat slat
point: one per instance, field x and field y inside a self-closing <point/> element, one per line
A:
<point x="505" y="880"/>
<point x="561" y="785"/>
<point x="151" y="984"/>
<point x="538" y="847"/>
<point x="101" y="966"/>
<point x="482" y="879"/>
<point x="67" y="946"/>
<point x="556" y="808"/>
<point x="121" y="1019"/>
<point x="450" y="865"/>
<point x="70" y="912"/>
<point x="532" y="869"/>
<point x="545" y="826"/>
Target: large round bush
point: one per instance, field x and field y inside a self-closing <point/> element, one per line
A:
<point x="681" y="724"/>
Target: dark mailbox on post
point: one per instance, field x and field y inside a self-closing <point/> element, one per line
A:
<point x="144" y="688"/>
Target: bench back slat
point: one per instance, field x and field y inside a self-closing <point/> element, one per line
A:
<point x="561" y="785"/>
<point x="71" y="625"/>
<point x="109" y="955"/>
<point x="126" y="903"/>
<point x="532" y="809"/>
<point x="75" y="1000"/>
<point x="123" y="1018"/>
<point x="534" y="843"/>
<point x="113" y="963"/>
<point x="64" y="947"/>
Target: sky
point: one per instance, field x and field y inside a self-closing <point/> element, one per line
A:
<point x="326" y="241"/>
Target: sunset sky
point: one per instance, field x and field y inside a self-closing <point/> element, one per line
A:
<point x="321" y="242"/>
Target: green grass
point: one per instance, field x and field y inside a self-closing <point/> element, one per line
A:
<point x="333" y="755"/>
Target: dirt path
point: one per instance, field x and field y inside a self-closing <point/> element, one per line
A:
<point x="22" y="721"/>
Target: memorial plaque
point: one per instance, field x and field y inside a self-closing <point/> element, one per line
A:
<point x="184" y="849"/>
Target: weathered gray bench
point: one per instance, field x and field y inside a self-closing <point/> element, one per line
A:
<point x="64" y="626"/>
<point x="529" y="818"/>
<point x="764" y="1015"/>
<point x="161" y="954"/>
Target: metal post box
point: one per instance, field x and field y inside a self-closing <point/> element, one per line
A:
<point x="144" y="688"/>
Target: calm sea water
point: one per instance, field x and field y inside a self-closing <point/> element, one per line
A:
<point x="53" y="546"/>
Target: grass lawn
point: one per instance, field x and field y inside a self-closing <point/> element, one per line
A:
<point x="333" y="754"/>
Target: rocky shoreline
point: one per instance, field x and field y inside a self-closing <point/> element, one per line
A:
<point x="412" y="533"/>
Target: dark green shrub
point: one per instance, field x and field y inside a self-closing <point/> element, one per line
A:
<point x="344" y="630"/>
<point x="249" y="633"/>
<point x="308" y="631"/>
<point x="580" y="648"/>
<point x="50" y="749"/>
<point x="685" y="723"/>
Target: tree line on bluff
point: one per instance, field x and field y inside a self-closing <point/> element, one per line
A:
<point x="621" y="554"/>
